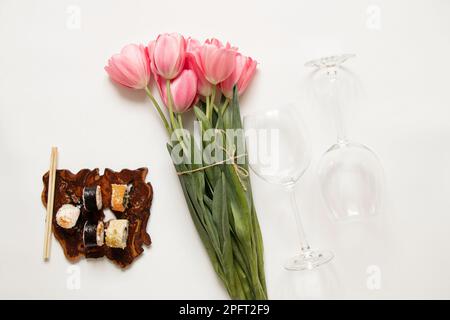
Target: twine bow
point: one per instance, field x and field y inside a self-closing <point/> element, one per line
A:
<point x="240" y="171"/>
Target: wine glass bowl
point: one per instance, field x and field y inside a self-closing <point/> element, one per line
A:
<point x="272" y="154"/>
<point x="286" y="155"/>
<point x="350" y="174"/>
<point x="351" y="180"/>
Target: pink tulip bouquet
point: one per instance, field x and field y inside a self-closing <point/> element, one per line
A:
<point x="211" y="162"/>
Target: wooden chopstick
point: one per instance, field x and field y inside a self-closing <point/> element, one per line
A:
<point x="50" y="201"/>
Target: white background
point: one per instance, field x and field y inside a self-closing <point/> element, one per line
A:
<point x="54" y="91"/>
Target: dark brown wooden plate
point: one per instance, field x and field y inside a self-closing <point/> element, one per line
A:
<point x="69" y="189"/>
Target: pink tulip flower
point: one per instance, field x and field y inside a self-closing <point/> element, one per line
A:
<point x="183" y="90"/>
<point x="219" y="44"/>
<point x="130" y="67"/>
<point x="204" y="88"/>
<point x="247" y="75"/>
<point x="214" y="42"/>
<point x="216" y="61"/>
<point x="192" y="45"/>
<point x="193" y="48"/>
<point x="168" y="54"/>
<point x="241" y="76"/>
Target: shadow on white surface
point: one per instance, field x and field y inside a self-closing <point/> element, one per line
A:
<point x="319" y="283"/>
<point x="135" y="96"/>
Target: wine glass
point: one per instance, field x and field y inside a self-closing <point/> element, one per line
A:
<point x="279" y="152"/>
<point x="350" y="174"/>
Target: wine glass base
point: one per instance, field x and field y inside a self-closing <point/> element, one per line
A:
<point x="330" y="61"/>
<point x="308" y="260"/>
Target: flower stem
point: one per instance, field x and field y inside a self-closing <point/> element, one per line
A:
<point x="180" y="120"/>
<point x="211" y="103"/>
<point x="183" y="134"/>
<point x="225" y="105"/>
<point x="208" y="103"/>
<point x="169" y="102"/>
<point x="158" y="108"/>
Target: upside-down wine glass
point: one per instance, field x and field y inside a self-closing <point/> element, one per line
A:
<point x="279" y="152"/>
<point x="350" y="174"/>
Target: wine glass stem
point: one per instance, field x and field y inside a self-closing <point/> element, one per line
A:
<point x="338" y="118"/>
<point x="304" y="245"/>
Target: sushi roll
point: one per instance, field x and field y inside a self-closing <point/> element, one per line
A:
<point x="93" y="234"/>
<point x="119" y="197"/>
<point x="67" y="216"/>
<point x="92" y="198"/>
<point x="117" y="233"/>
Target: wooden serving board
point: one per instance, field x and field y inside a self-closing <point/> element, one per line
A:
<point x="69" y="190"/>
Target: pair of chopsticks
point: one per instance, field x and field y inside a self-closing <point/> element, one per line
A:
<point x="50" y="201"/>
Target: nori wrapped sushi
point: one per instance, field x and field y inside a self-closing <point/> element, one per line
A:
<point x="93" y="234"/>
<point x="92" y="198"/>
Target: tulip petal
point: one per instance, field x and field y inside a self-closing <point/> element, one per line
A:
<point x="228" y="84"/>
<point x="247" y="75"/>
<point x="169" y="54"/>
<point x="131" y="67"/>
<point x="217" y="63"/>
<point x="183" y="90"/>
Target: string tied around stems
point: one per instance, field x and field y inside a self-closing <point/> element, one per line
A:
<point x="240" y="171"/>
